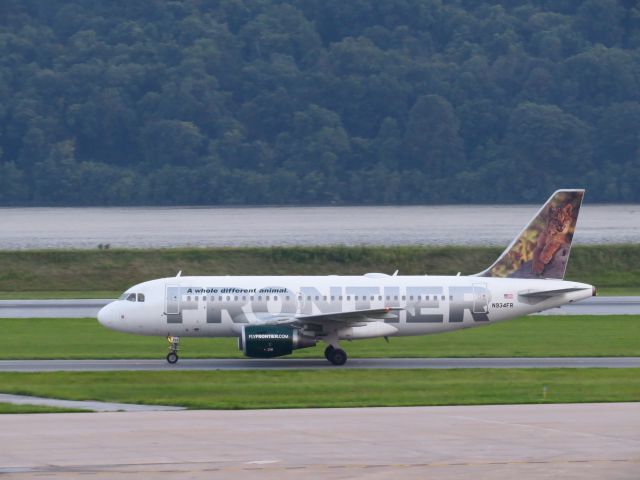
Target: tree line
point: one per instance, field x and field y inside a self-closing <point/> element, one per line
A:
<point x="317" y="101"/>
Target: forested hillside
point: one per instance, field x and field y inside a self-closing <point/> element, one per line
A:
<point x="317" y="101"/>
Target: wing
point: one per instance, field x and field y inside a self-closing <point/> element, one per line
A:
<point x="349" y="317"/>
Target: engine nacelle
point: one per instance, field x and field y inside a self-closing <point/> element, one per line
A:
<point x="272" y="340"/>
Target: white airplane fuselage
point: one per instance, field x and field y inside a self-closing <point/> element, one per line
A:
<point x="272" y="316"/>
<point x="220" y="306"/>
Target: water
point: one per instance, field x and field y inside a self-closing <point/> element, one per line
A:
<point x="33" y="228"/>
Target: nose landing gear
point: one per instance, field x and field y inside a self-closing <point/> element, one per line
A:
<point x="174" y="345"/>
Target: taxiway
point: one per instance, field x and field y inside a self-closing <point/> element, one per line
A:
<point x="314" y="363"/>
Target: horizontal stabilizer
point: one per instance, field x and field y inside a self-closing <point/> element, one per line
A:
<point x="547" y="293"/>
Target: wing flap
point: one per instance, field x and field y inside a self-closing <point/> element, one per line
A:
<point x="351" y="316"/>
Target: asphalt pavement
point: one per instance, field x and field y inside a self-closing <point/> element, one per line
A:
<point x="313" y="363"/>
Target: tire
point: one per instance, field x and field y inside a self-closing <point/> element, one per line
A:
<point x="327" y="351"/>
<point x="337" y="356"/>
<point x="172" y="357"/>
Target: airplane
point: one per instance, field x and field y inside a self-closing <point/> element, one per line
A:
<point x="273" y="315"/>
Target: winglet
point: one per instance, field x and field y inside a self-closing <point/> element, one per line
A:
<point x="542" y="248"/>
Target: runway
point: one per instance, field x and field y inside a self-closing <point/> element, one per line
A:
<point x="312" y="363"/>
<point x="573" y="441"/>
<point x="89" y="308"/>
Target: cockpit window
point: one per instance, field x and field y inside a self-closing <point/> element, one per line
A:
<point x="123" y="296"/>
<point x="131" y="297"/>
<point x="141" y="297"/>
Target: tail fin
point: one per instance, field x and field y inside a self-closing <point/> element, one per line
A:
<point x="542" y="248"/>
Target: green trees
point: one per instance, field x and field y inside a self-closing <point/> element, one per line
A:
<point x="317" y="101"/>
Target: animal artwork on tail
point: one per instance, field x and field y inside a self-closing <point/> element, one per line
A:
<point x="542" y="248"/>
<point x="556" y="235"/>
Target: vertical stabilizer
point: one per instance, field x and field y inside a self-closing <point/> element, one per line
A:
<point x="542" y="248"/>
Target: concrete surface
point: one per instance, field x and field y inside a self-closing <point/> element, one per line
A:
<point x="573" y="441"/>
<point x="85" y="405"/>
<point x="314" y="363"/>
<point x="89" y="308"/>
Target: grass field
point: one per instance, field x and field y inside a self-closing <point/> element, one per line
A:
<point x="105" y="273"/>
<point x="333" y="388"/>
<point x="541" y="336"/>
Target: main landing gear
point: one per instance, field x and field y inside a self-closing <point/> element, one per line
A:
<point x="174" y="345"/>
<point x="337" y="356"/>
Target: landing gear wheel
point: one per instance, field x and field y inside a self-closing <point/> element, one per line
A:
<point x="172" y="357"/>
<point x="174" y="345"/>
<point x="337" y="356"/>
<point x="328" y="350"/>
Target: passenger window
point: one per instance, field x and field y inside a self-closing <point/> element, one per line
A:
<point x="379" y="297"/>
<point x="267" y="297"/>
<point x="131" y="297"/>
<point x="275" y="297"/>
<point x="404" y="297"/>
<point x="141" y="297"/>
<point x="324" y="298"/>
<point x="228" y="298"/>
<point x="442" y="298"/>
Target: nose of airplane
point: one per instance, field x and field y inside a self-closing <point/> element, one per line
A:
<point x="104" y="315"/>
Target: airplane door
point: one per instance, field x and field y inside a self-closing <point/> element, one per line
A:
<point x="480" y="298"/>
<point x="172" y="306"/>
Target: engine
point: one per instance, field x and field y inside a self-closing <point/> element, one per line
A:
<point x="272" y="340"/>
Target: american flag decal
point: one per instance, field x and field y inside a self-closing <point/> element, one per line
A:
<point x="508" y="295"/>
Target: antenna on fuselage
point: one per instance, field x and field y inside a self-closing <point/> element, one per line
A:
<point x="395" y="274"/>
<point x="179" y="274"/>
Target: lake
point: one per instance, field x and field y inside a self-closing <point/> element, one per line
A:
<point x="35" y="228"/>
